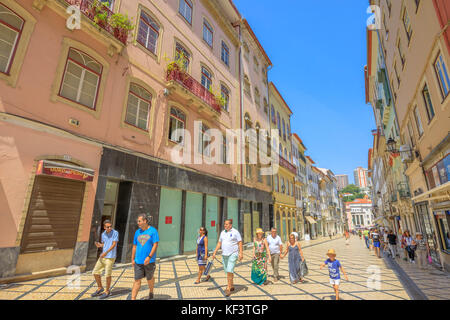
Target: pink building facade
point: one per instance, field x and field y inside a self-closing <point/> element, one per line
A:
<point x="87" y="123"/>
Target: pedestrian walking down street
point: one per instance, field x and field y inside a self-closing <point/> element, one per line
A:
<point x="370" y="240"/>
<point x="261" y="253"/>
<point x="143" y="256"/>
<point x="385" y="241"/>
<point x="347" y="238"/>
<point x="295" y="252"/>
<point x="231" y="243"/>
<point x="109" y="240"/>
<point x="410" y="246"/>
<point x="334" y="267"/>
<point x="366" y="237"/>
<point x="392" y="238"/>
<point x="422" y="250"/>
<point x="202" y="253"/>
<point x="276" y="248"/>
<point x="376" y="242"/>
<point x="360" y="234"/>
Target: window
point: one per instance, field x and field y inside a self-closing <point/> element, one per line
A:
<point x="148" y="32"/>
<point x="283" y="188"/>
<point x="279" y="124"/>
<point x="108" y="3"/>
<point x="177" y="121"/>
<point x="441" y="71"/>
<point x="285" y="154"/>
<point x="266" y="106"/>
<point x="281" y="150"/>
<point x="269" y="180"/>
<point x="402" y="56"/>
<point x="224" y="149"/>
<point x="182" y="54"/>
<point x="385" y="27"/>
<point x="206" y="78"/>
<point x="204" y="141"/>
<point x="11" y="27"/>
<point x="407" y="24"/>
<point x="248" y="121"/>
<point x="226" y="95"/>
<point x="389" y="5"/>
<point x="428" y="103"/>
<point x="248" y="170"/>
<point x="417" y="4"/>
<point x="284" y="130"/>
<point x="418" y="121"/>
<point x="186" y="10"/>
<point x="274" y="120"/>
<point x="255" y="64"/>
<point x="246" y="51"/>
<point x="138" y="107"/>
<point x="247" y="86"/>
<point x="225" y="56"/>
<point x="257" y="98"/>
<point x="81" y="79"/>
<point x="411" y="134"/>
<point x="207" y="33"/>
<point x="275" y="182"/>
<point x="443" y="223"/>
<point x="396" y="75"/>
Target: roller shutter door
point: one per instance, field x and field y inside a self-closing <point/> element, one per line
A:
<point x="53" y="215"/>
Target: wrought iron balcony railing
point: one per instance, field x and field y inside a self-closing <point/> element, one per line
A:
<point x="194" y="87"/>
<point x="88" y="8"/>
<point x="403" y="190"/>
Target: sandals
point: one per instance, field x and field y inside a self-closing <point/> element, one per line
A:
<point x="98" y="292"/>
<point x="207" y="278"/>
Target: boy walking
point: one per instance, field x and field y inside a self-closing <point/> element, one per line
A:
<point x="110" y="237"/>
<point x="334" y="267"/>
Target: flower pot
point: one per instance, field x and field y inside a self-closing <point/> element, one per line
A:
<point x="121" y="34"/>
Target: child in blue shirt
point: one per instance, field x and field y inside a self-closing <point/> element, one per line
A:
<point x="333" y="268"/>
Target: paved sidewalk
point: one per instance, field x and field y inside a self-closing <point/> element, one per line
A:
<point x="175" y="280"/>
<point x="431" y="283"/>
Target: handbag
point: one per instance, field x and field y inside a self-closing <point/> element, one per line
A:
<point x="304" y="268"/>
<point x="430" y="261"/>
<point x="208" y="268"/>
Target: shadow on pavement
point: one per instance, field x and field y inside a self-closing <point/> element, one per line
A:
<point x="159" y="297"/>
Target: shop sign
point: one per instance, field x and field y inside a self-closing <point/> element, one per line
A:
<point x="168" y="220"/>
<point x="58" y="169"/>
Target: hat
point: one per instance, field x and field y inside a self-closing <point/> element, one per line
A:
<point x="259" y="230"/>
<point x="418" y="233"/>
<point x="331" y="251"/>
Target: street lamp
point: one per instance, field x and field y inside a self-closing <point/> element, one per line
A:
<point x="391" y="143"/>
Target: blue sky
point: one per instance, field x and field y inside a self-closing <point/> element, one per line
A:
<point x="318" y="51"/>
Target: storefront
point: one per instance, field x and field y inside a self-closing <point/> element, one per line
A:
<point x="52" y="222"/>
<point x="178" y="202"/>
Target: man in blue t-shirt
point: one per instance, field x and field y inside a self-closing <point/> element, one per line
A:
<point x="143" y="256"/>
<point x="333" y="268"/>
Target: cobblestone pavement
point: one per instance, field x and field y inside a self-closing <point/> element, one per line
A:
<point x="175" y="280"/>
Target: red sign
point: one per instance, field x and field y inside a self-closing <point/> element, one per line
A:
<point x="213" y="223"/>
<point x="62" y="170"/>
<point x="168" y="220"/>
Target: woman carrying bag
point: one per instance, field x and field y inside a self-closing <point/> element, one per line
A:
<point x="202" y="253"/>
<point x="261" y="253"/>
<point x="410" y="247"/>
<point x="295" y="260"/>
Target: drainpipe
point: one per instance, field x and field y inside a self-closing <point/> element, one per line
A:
<point x="241" y="95"/>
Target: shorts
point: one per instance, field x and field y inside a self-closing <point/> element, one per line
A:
<point x="335" y="281"/>
<point x="229" y="262"/>
<point x="104" y="264"/>
<point x="376" y="244"/>
<point x="141" y="271"/>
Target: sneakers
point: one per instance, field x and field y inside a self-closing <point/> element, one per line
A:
<point x="150" y="296"/>
<point x="105" y="295"/>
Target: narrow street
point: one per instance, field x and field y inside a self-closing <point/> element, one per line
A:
<point x="175" y="280"/>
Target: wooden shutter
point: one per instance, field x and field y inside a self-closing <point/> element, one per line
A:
<point x="53" y="215"/>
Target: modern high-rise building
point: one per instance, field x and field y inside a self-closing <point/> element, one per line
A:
<point x="342" y="181"/>
<point x="361" y="179"/>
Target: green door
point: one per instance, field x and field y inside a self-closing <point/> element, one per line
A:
<point x="193" y="220"/>
<point x="285" y="232"/>
<point x="169" y="222"/>
<point x="211" y="221"/>
<point x="233" y="212"/>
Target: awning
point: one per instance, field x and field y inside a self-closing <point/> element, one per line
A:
<point x="442" y="188"/>
<point x="63" y="170"/>
<point x="310" y="219"/>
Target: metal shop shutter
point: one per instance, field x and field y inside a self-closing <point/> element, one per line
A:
<point x="53" y="215"/>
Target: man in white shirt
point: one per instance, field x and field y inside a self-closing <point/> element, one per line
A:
<point x="231" y="243"/>
<point x="276" y="248"/>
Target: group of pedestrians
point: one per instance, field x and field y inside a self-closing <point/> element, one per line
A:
<point x="413" y="247"/>
<point x="265" y="251"/>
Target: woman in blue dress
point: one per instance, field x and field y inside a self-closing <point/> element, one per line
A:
<point x="261" y="254"/>
<point x="294" y="250"/>
<point x="202" y="253"/>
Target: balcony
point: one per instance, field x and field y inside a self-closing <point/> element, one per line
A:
<point x="285" y="164"/>
<point x="194" y="87"/>
<point x="88" y="9"/>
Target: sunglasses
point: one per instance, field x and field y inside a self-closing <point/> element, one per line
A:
<point x="108" y="227"/>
